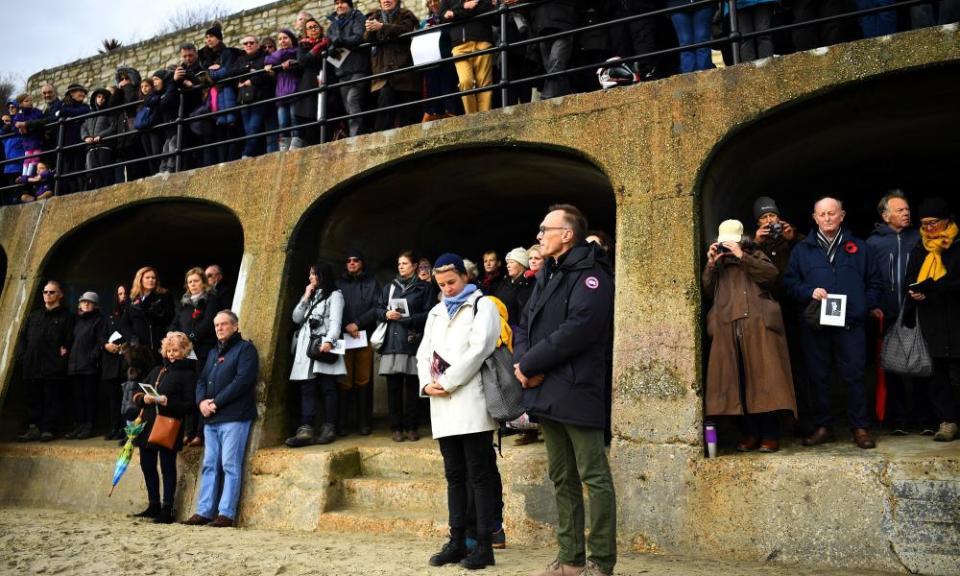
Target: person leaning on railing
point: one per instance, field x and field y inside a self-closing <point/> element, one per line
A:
<point x="347" y="26"/>
<point x="93" y="130"/>
<point x="74" y="159"/>
<point x="160" y="100"/>
<point x="442" y="79"/>
<point x="473" y="35"/>
<point x="125" y="92"/>
<point x="310" y="54"/>
<point x="217" y="59"/>
<point x="283" y="64"/>
<point x="251" y="88"/>
<point x="383" y="26"/>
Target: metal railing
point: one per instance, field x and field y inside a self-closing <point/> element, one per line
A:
<point x="504" y="83"/>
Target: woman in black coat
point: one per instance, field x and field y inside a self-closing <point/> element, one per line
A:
<point x="310" y="56"/>
<point x="194" y="317"/>
<point x="175" y="381"/>
<point x="398" y="361"/>
<point x="147" y="316"/>
<point x="83" y="364"/>
<point x="113" y="367"/>
<point x="934" y="275"/>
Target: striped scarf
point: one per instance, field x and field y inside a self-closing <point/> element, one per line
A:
<point x="830" y="247"/>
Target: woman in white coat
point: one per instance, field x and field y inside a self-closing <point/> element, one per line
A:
<point x="460" y="333"/>
<point x="319" y="314"/>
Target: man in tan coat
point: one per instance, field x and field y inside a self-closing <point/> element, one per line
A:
<point x="749" y="368"/>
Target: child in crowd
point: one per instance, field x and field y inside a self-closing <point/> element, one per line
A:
<point x="38" y="186"/>
<point x="12" y="148"/>
<point x="31" y="138"/>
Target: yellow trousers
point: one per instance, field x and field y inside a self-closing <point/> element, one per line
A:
<point x="475" y="72"/>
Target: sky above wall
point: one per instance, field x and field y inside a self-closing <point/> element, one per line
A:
<point x="56" y="32"/>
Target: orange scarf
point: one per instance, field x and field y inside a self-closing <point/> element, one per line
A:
<point x="935" y="244"/>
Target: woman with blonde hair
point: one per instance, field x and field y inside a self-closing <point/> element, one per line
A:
<point x="147" y="316"/>
<point x="194" y="317"/>
<point x="535" y="259"/>
<point x="174" y="382"/>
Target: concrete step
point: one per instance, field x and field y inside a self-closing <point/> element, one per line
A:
<point x="407" y="460"/>
<point x="379" y="520"/>
<point x="409" y="495"/>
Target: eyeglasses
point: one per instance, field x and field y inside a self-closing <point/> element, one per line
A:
<point x="544" y="229"/>
<point x="931" y="223"/>
<point x="50" y="292"/>
<point x="312" y="27"/>
<point x="353" y="259"/>
<point x="248" y="42"/>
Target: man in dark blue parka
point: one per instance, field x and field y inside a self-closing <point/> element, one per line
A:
<point x="560" y="354"/>
<point x="831" y="260"/>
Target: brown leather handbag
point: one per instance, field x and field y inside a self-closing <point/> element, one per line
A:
<point x="166" y="429"/>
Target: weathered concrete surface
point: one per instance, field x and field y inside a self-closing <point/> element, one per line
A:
<point x="653" y="143"/>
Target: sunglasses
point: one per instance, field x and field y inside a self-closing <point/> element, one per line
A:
<point x="353" y="259"/>
<point x="248" y="43"/>
<point x="50" y="292"/>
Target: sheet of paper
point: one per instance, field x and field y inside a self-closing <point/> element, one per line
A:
<point x="339" y="347"/>
<point x="400" y="305"/>
<point x="149" y="390"/>
<point x="833" y="310"/>
<point x="115" y="337"/>
<point x="351" y="343"/>
<point x="425" y="48"/>
<point x="337" y="56"/>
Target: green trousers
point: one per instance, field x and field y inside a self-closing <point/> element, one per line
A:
<point x="576" y="457"/>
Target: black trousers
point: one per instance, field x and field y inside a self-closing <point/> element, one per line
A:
<point x="403" y="401"/>
<point x="168" y="466"/>
<point x="755" y="19"/>
<point x="466" y="461"/>
<point x="815" y="36"/>
<point x="389" y="119"/>
<point x="496" y="498"/>
<point x="44" y="396"/>
<point x="637" y="37"/>
<point x="326" y="385"/>
<point x="942" y="388"/>
<point x="85" y="398"/>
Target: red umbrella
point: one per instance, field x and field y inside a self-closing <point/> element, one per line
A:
<point x="881" y="374"/>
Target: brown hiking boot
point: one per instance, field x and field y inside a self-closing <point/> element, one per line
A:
<point x="221" y="521"/>
<point x="196" y="520"/>
<point x="946" y="433"/>
<point x="594" y="570"/>
<point x="555" y="568"/>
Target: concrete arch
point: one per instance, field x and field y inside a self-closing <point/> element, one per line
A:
<point x="853" y="141"/>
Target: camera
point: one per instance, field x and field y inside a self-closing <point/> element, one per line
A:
<point x="721" y="249"/>
<point x="775" y="229"/>
<point x="314" y="324"/>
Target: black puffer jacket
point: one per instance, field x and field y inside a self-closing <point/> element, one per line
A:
<point x="360" y="295"/>
<point x="478" y="30"/>
<point x="563" y="334"/>
<point x="45" y="332"/>
<point x="514" y="293"/>
<point x="84" y="357"/>
<point x="145" y="320"/>
<point x="419" y="303"/>
<point x="175" y="380"/>
<point x="195" y="319"/>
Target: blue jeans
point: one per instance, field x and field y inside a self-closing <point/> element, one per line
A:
<point x="286" y="117"/>
<point x="694" y="27"/>
<point x="224" y="445"/>
<point x="880" y="23"/>
<point x="252" y="124"/>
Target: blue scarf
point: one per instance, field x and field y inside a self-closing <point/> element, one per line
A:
<point x="455" y="302"/>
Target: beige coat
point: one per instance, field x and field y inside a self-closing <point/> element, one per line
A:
<point x="743" y="306"/>
<point x="464" y="342"/>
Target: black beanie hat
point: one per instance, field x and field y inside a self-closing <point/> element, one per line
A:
<point x="935" y="207"/>
<point x="347" y="2"/>
<point x="354" y="253"/>
<point x="764" y="205"/>
<point x="215" y="31"/>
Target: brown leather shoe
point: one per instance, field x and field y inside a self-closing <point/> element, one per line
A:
<point x="397" y="436"/>
<point x="747" y="444"/>
<point x="555" y="568"/>
<point x="197" y="520"/>
<point x="821" y="435"/>
<point x="413" y="435"/>
<point x="525" y="438"/>
<point x="221" y="521"/>
<point x="769" y="445"/>
<point x="862" y="438"/>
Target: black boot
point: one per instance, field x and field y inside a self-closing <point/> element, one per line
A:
<point x="363" y="419"/>
<point x="166" y="515"/>
<point x="343" y="411"/>
<point x="327" y="434"/>
<point x="453" y="551"/>
<point x="480" y="557"/>
<point x="152" y="511"/>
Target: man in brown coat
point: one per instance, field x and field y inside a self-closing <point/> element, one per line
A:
<point x="749" y="369"/>
<point x="383" y="27"/>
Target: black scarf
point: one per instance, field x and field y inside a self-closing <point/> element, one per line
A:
<point x="406" y="285"/>
<point x="829" y="247"/>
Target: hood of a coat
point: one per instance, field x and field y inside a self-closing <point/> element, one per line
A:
<point x="93" y="99"/>
<point x="129" y="72"/>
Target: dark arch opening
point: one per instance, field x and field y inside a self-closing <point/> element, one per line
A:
<point x="856" y="142"/>
<point x="465" y="200"/>
<point x="170" y="235"/>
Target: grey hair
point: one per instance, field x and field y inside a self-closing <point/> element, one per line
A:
<point x="884" y="205"/>
<point x="234" y="319"/>
<point x="471" y="268"/>
<point x="837" y="200"/>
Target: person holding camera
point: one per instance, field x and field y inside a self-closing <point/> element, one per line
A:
<point x="319" y="315"/>
<point x="403" y="305"/>
<point x="748" y="373"/>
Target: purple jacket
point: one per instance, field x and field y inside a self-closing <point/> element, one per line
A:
<point x="287" y="81"/>
<point x="33" y="139"/>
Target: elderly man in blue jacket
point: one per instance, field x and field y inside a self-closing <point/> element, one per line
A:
<point x="560" y="354"/>
<point x="831" y="260"/>
<point x="226" y="394"/>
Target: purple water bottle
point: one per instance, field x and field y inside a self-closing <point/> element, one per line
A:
<point x="710" y="435"/>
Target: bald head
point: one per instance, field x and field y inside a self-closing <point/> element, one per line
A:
<point x="828" y="214"/>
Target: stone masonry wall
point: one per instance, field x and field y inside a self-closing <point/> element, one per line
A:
<point x="161" y="51"/>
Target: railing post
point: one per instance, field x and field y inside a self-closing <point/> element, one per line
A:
<point x="58" y="174"/>
<point x="178" y="164"/>
<point x="734" y="32"/>
<point x="504" y="70"/>
<point x="322" y="103"/>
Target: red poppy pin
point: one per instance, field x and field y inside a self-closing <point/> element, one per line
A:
<point x="196" y="313"/>
<point x="220" y="359"/>
<point x="850" y="247"/>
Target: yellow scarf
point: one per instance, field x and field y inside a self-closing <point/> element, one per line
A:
<point x="506" y="333"/>
<point x="935" y="245"/>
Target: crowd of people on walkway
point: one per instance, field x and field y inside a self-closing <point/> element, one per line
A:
<point x="788" y="310"/>
<point x="138" y="125"/>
